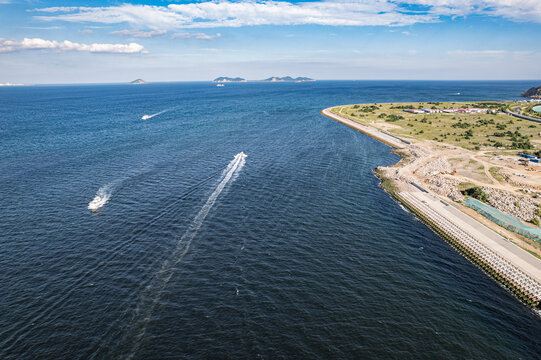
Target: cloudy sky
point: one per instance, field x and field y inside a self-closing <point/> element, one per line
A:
<point x="70" y="41"/>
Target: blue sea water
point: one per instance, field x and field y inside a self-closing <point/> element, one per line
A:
<point x="293" y="252"/>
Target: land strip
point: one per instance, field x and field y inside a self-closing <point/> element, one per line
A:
<point x="368" y="130"/>
<point x="491" y="247"/>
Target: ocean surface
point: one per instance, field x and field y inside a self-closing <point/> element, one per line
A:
<point x="236" y="223"/>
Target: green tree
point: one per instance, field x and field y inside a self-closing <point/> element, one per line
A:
<point x="476" y="192"/>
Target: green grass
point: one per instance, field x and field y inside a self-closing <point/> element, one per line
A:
<point x="386" y="183"/>
<point x="494" y="172"/>
<point x="470" y="131"/>
<point x="465" y="185"/>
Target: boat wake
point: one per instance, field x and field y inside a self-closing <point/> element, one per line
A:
<point x="153" y="291"/>
<point x="102" y="197"/>
<point x="146" y="117"/>
<point x="105" y="192"/>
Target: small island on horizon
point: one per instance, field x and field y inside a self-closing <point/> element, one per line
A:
<point x="223" y="79"/>
<point x="288" y="78"/>
<point x="138" y="82"/>
<point x="229" y="79"/>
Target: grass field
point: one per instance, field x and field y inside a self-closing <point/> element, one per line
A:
<point x="471" y="131"/>
<point x="495" y="175"/>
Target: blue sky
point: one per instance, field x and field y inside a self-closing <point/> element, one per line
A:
<point x="115" y="41"/>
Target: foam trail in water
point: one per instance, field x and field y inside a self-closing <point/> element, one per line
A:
<point x="102" y="196"/>
<point x="104" y="193"/>
<point x="146" y="117"/>
<point x="154" y="290"/>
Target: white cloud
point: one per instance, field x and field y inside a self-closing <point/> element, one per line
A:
<point x="139" y="34"/>
<point x="247" y="13"/>
<point x="66" y="45"/>
<point x="517" y="10"/>
<point x="220" y="13"/>
<point x="54" y="9"/>
<point x="198" y="36"/>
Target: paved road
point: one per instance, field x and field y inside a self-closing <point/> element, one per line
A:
<point x="368" y="130"/>
<point x="460" y="225"/>
<point x="522" y="116"/>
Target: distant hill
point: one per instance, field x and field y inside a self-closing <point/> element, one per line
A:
<point x="534" y="92"/>
<point x="229" y="79"/>
<point x="288" y="78"/>
<point x="138" y="82"/>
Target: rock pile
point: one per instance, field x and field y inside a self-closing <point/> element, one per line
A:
<point x="413" y="157"/>
<point x="435" y="167"/>
<point x="445" y="187"/>
<point x="507" y="202"/>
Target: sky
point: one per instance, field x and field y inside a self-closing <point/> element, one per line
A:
<point x="71" y="41"/>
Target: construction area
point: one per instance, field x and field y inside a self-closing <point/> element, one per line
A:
<point x="449" y="158"/>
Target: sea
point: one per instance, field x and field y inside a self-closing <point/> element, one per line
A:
<point x="231" y="222"/>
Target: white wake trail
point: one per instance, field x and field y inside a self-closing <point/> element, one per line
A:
<point x="153" y="291"/>
<point x="104" y="193"/>
<point x="146" y="117"/>
<point x="102" y="197"/>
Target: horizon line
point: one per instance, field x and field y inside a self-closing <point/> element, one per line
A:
<point x="17" y="84"/>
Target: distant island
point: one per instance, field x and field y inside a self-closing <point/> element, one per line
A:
<point x="138" y="82"/>
<point x="288" y="78"/>
<point x="534" y="92"/>
<point x="229" y="79"/>
<point x="223" y="79"/>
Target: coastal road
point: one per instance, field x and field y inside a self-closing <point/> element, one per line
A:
<point x="365" y="129"/>
<point x="521" y="116"/>
<point x="517" y="264"/>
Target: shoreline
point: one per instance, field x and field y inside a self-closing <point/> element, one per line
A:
<point x="374" y="133"/>
<point x="507" y="263"/>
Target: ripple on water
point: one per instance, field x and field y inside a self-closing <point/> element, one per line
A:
<point x="302" y="256"/>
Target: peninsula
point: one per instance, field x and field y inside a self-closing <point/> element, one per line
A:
<point x="471" y="172"/>
<point x="534" y="92"/>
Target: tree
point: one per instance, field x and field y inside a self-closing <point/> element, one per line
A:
<point x="476" y="192"/>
